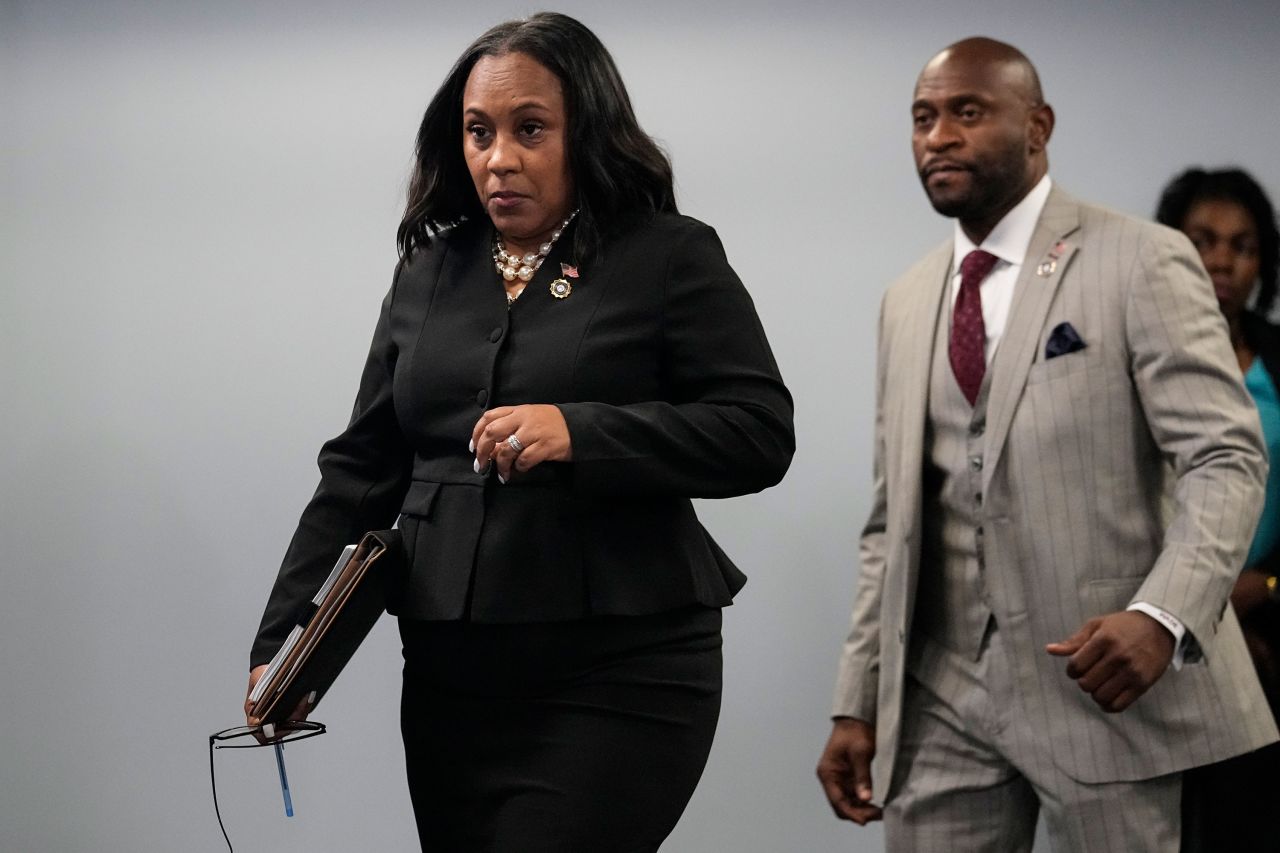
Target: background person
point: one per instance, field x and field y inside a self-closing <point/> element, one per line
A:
<point x="563" y="361"/>
<point x="1232" y="224"/>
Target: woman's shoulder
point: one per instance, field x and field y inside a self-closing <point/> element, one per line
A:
<point x="670" y="234"/>
<point x="670" y="226"/>
<point x="427" y="259"/>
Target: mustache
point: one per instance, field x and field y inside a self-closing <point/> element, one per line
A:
<point x="931" y="167"/>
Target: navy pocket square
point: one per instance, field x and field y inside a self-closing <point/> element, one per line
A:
<point x="1064" y="339"/>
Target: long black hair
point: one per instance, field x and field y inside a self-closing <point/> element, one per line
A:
<point x="620" y="174"/>
<point x="1238" y="186"/>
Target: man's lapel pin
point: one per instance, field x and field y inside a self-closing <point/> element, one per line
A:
<point x="1050" y="263"/>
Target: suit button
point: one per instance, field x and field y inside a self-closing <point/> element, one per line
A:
<point x="495" y="335"/>
<point x="482" y="397"/>
<point x="976" y="429"/>
<point x="977" y="498"/>
<point x="975" y="462"/>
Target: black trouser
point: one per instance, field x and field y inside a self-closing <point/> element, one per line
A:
<point x="568" y="736"/>
<point x="1232" y="806"/>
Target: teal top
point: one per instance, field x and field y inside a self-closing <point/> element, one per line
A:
<point x="1263" y="390"/>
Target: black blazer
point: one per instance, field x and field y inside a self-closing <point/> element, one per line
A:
<point x="1264" y="339"/>
<point x="670" y="391"/>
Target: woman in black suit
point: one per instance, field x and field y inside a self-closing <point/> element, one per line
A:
<point x="563" y="361"/>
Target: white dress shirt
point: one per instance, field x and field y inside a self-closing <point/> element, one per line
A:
<point x="1009" y="242"/>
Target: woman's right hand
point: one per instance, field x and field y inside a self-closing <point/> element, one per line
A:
<point x="299" y="713"/>
<point x="254" y="675"/>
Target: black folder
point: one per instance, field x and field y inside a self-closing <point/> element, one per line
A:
<point x="330" y="628"/>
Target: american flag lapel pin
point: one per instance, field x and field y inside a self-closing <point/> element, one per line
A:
<point x="1050" y="263"/>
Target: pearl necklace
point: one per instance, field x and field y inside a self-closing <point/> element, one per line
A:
<point x="512" y="267"/>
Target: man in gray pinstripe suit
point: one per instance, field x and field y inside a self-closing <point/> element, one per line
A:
<point x="1068" y="472"/>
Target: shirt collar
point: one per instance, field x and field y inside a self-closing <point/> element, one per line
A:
<point x="1009" y="240"/>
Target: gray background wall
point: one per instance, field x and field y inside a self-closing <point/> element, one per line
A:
<point x="197" y="210"/>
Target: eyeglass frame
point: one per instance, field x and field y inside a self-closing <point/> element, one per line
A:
<point x="285" y="733"/>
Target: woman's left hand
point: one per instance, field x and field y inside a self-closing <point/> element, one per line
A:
<point x="540" y="431"/>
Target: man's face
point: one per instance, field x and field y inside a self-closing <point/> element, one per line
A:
<point x="971" y="135"/>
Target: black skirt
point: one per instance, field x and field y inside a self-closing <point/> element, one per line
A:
<point x="568" y="736"/>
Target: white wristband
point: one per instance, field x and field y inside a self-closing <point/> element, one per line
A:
<point x="1170" y="622"/>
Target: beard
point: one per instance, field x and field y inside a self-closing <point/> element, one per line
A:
<point x="990" y="185"/>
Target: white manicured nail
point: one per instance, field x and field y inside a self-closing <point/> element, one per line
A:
<point x="501" y="480"/>
<point x="475" y="466"/>
<point x="471" y="446"/>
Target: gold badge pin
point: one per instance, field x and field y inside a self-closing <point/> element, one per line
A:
<point x="560" y="288"/>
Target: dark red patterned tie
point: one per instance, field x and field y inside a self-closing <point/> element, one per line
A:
<point x="968" y="332"/>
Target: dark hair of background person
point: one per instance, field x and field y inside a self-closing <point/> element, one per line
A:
<point x="620" y="173"/>
<point x="1235" y="185"/>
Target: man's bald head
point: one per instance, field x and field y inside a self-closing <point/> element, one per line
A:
<point x="980" y="131"/>
<point x="996" y="57"/>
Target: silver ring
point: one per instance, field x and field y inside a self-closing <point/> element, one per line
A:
<point x="514" y="443"/>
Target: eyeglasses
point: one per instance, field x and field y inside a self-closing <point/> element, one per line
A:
<point x="252" y="737"/>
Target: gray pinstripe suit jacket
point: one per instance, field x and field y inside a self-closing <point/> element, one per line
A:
<point x="1131" y="470"/>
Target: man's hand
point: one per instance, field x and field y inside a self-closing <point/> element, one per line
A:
<point x="1116" y="658"/>
<point x="845" y="770"/>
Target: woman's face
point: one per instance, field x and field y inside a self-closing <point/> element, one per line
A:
<point x="1225" y="235"/>
<point x="515" y="142"/>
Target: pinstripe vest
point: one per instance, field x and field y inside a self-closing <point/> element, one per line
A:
<point x="952" y="604"/>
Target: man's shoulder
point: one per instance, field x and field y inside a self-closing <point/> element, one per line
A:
<point x="1101" y="216"/>
<point x="1100" y="221"/>
<point x="930" y="267"/>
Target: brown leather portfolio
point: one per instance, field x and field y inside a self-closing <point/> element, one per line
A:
<point x="330" y="628"/>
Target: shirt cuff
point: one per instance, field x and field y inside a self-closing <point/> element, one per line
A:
<point x="1174" y="626"/>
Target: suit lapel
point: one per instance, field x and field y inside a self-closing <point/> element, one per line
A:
<point x="912" y="384"/>
<point x="912" y="363"/>
<point x="469" y="277"/>
<point x="1048" y="256"/>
